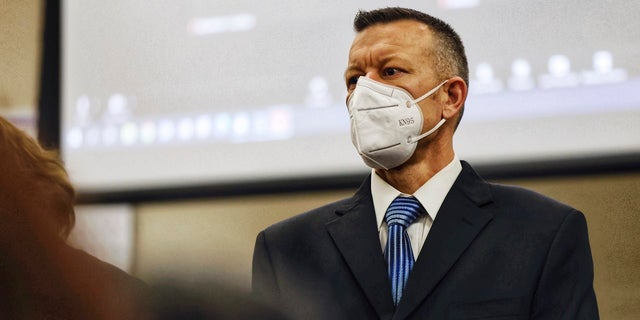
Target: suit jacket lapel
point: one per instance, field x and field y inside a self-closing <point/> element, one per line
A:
<point x="355" y="233"/>
<point x="459" y="220"/>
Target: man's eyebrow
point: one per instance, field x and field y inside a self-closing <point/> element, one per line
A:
<point x="351" y="68"/>
<point x="355" y="67"/>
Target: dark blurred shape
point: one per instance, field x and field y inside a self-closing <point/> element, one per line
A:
<point x="50" y="79"/>
<point x="173" y="300"/>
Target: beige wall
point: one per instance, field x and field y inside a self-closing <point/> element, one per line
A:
<point x="213" y="238"/>
<point x="20" y="23"/>
<point x="20" y="38"/>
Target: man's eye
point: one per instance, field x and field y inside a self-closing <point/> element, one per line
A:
<point x="390" y="72"/>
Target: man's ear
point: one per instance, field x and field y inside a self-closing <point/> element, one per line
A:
<point x="456" y="89"/>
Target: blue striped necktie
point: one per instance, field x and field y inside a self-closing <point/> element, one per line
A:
<point x="400" y="214"/>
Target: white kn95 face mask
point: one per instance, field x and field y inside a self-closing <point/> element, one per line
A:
<point x="386" y="122"/>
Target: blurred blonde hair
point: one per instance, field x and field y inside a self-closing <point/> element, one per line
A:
<point x="33" y="180"/>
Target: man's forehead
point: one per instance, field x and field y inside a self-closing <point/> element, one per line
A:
<point x="400" y="31"/>
<point x="384" y="37"/>
<point x="405" y="25"/>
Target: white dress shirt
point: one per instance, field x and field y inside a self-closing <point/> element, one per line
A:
<point x="431" y="195"/>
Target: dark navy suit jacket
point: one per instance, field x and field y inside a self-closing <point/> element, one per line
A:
<point x="493" y="252"/>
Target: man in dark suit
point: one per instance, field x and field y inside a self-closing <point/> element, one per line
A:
<point x="467" y="249"/>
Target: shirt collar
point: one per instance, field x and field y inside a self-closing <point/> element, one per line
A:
<point x="431" y="194"/>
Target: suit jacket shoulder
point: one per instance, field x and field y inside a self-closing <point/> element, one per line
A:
<point x="509" y="199"/>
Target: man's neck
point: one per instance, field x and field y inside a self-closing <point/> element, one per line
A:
<point x="410" y="176"/>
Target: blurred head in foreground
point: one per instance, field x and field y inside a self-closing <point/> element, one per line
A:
<point x="34" y="183"/>
<point x="41" y="277"/>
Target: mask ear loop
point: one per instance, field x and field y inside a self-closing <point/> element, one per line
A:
<point x="437" y="126"/>
<point x="426" y="95"/>
<point x="417" y="138"/>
